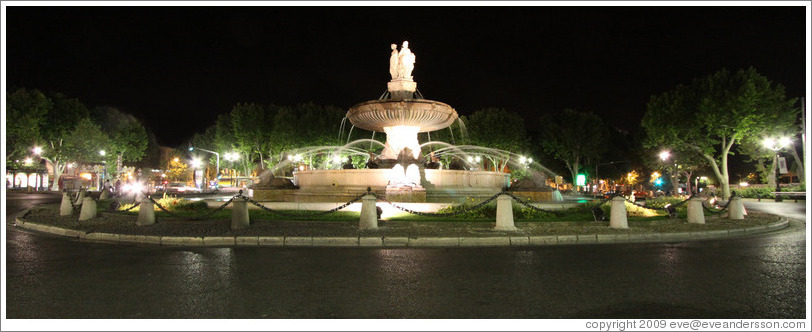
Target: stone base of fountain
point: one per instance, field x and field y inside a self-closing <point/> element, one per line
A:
<point x="341" y="185"/>
<point x="534" y="195"/>
<point x="406" y="194"/>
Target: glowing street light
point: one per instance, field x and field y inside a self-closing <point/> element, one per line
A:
<point x="232" y="157"/>
<point x="102" y="153"/>
<point x="665" y="155"/>
<point x="192" y="148"/>
<point x="37" y="150"/>
<point x="196" y="163"/>
<point x="776" y="146"/>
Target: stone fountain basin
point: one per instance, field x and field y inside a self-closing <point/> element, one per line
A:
<point x="341" y="185"/>
<point x="427" y="114"/>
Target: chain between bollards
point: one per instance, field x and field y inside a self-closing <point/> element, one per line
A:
<point x="528" y="204"/>
<point x="446" y="214"/>
<point x="201" y="217"/>
<point x="336" y="209"/>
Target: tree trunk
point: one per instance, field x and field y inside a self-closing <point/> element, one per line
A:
<point x="799" y="165"/>
<point x="573" y="168"/>
<point x="58" y="170"/>
<point x="724" y="180"/>
<point x="674" y="183"/>
<point x="688" y="187"/>
<point x="721" y="170"/>
<point x="771" y="177"/>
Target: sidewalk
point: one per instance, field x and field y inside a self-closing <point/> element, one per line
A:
<point x="118" y="228"/>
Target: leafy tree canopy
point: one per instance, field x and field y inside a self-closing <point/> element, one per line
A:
<point x="712" y="114"/>
<point x="573" y="137"/>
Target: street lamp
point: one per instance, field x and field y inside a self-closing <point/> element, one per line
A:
<point x="217" y="173"/>
<point x="665" y="155"/>
<point x="232" y="157"/>
<point x="776" y="146"/>
<point x="196" y="165"/>
<point x="37" y="150"/>
<point x="104" y="169"/>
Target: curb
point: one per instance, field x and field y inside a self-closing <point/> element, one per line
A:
<point x="396" y="242"/>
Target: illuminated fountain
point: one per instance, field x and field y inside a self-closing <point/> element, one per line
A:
<point x="401" y="175"/>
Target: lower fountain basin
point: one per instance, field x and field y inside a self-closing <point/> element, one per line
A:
<point x="337" y="185"/>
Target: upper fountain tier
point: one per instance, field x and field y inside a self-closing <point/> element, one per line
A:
<point x="400" y="107"/>
<point x="428" y="115"/>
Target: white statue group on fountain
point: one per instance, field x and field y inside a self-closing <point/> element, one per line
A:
<point x="401" y="63"/>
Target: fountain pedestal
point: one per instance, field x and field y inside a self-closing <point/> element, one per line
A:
<point x="401" y="89"/>
<point x="406" y="194"/>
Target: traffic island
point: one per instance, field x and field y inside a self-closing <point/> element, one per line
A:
<point x="119" y="228"/>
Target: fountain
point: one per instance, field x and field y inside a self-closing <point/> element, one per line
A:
<point x="401" y="174"/>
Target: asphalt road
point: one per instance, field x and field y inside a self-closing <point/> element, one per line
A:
<point x="762" y="276"/>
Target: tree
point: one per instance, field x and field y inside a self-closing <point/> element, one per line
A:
<point x="177" y="170"/>
<point x="573" y="137"/>
<point x="251" y="129"/>
<point x="713" y="113"/>
<point x="128" y="137"/>
<point x="679" y="165"/>
<point x="25" y="112"/>
<point x="83" y="143"/>
<point x="499" y="129"/>
<point x="43" y="121"/>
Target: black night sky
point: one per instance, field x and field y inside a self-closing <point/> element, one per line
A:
<point x="177" y="68"/>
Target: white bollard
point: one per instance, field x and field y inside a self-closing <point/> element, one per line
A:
<point x="369" y="214"/>
<point x="66" y="208"/>
<point x="735" y="208"/>
<point x="146" y="213"/>
<point x="239" y="214"/>
<point x="88" y="209"/>
<point x="696" y="215"/>
<point x="105" y="194"/>
<point x="617" y="216"/>
<point x="504" y="214"/>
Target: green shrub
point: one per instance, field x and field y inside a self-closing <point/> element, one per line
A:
<point x="766" y="192"/>
<point x="487" y="211"/>
<point x="753" y="192"/>
<point x="172" y="203"/>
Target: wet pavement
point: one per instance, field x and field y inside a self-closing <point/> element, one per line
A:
<point x="761" y="276"/>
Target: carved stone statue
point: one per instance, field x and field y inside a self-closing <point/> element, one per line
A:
<point x="405" y="62"/>
<point x="393" y="62"/>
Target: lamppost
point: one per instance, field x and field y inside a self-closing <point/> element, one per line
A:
<point x="776" y="146"/>
<point x="232" y="157"/>
<point x="191" y="148"/>
<point x="196" y="165"/>
<point x="664" y="156"/>
<point x="37" y="151"/>
<point x="103" y="176"/>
